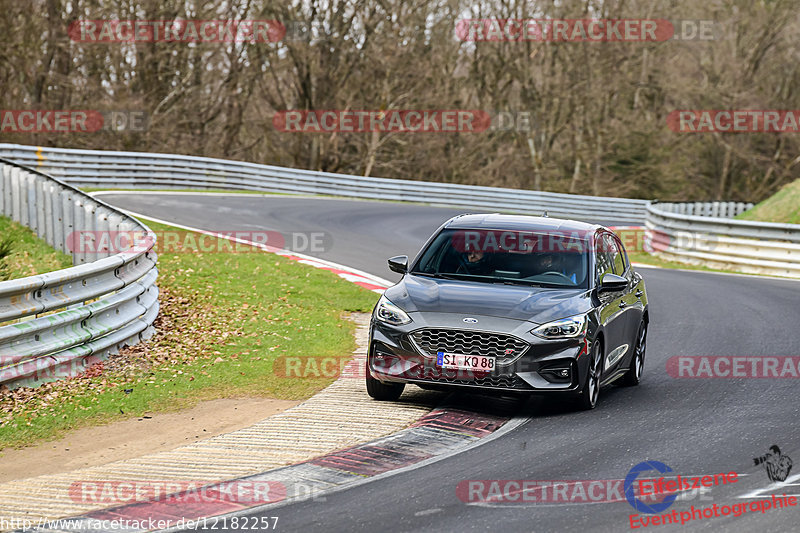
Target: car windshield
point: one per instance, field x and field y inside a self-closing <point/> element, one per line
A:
<point x="548" y="259"/>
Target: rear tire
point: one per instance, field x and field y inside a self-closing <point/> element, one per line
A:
<point x="384" y="392"/>
<point x="587" y="398"/>
<point x="634" y="375"/>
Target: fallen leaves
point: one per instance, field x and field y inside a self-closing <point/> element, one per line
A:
<point x="185" y="331"/>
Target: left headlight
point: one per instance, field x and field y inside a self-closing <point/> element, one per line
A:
<point x="566" y="328"/>
<point x="387" y="312"/>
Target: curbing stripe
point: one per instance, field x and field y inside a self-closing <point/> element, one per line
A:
<point x="443" y="432"/>
<point x="462" y="421"/>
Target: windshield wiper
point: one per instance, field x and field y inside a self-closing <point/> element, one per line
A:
<point x="524" y="282"/>
<point x="452" y="276"/>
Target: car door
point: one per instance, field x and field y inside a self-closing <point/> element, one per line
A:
<point x="634" y="306"/>
<point x="629" y="305"/>
<point x="612" y="306"/>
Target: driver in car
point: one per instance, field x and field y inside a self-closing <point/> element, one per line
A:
<point x="550" y="262"/>
<point x="475" y="261"/>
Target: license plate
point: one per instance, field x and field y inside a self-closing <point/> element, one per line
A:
<point x="464" y="362"/>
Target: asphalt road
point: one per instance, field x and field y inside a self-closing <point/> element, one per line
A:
<point x="700" y="426"/>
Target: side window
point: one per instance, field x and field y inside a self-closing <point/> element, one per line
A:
<point x="617" y="255"/>
<point x="623" y="254"/>
<point x="604" y="262"/>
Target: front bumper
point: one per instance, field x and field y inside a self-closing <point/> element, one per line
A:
<point x="543" y="366"/>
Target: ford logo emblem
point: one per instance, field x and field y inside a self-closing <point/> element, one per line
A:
<point x="470" y="320"/>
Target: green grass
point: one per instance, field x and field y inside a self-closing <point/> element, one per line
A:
<point x="25" y="254"/>
<point x="783" y="206"/>
<point x="650" y="259"/>
<point x="225" y="318"/>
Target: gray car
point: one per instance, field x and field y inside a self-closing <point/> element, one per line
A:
<point x="511" y="304"/>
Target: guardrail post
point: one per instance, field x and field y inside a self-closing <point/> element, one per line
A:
<point x="18" y="204"/>
<point x="68" y="224"/>
<point x="31" y="220"/>
<point x="83" y="229"/>
<point x="39" y="208"/>
<point x="5" y="190"/>
<point x="103" y="233"/>
<point x="13" y="195"/>
<point x="47" y="212"/>
<point x="88" y="223"/>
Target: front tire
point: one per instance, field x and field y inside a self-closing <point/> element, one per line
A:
<point x="587" y="398"/>
<point x="384" y="392"/>
<point x="634" y="375"/>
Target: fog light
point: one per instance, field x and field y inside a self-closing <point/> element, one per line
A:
<point x="557" y="373"/>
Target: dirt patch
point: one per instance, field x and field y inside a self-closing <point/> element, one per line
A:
<point x="94" y="446"/>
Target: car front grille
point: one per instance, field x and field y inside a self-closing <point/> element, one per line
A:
<point x="505" y="348"/>
<point x="495" y="382"/>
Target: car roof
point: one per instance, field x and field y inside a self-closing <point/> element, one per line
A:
<point x="496" y="221"/>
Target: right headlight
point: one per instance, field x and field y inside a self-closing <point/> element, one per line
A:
<point x="565" y="328"/>
<point x="387" y="312"/>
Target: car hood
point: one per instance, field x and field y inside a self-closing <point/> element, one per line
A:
<point x="534" y="304"/>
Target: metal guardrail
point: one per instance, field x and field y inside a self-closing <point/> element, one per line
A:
<point x="742" y="245"/>
<point x="708" y="209"/>
<point x="98" y="168"/>
<point x="67" y="320"/>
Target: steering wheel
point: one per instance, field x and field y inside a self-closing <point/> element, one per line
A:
<point x="558" y="274"/>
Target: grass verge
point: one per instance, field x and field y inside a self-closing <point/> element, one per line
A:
<point x="783" y="206"/>
<point x="23" y="254"/>
<point x="225" y="318"/>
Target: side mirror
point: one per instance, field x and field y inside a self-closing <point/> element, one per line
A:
<point x="612" y="283"/>
<point x="399" y="264"/>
